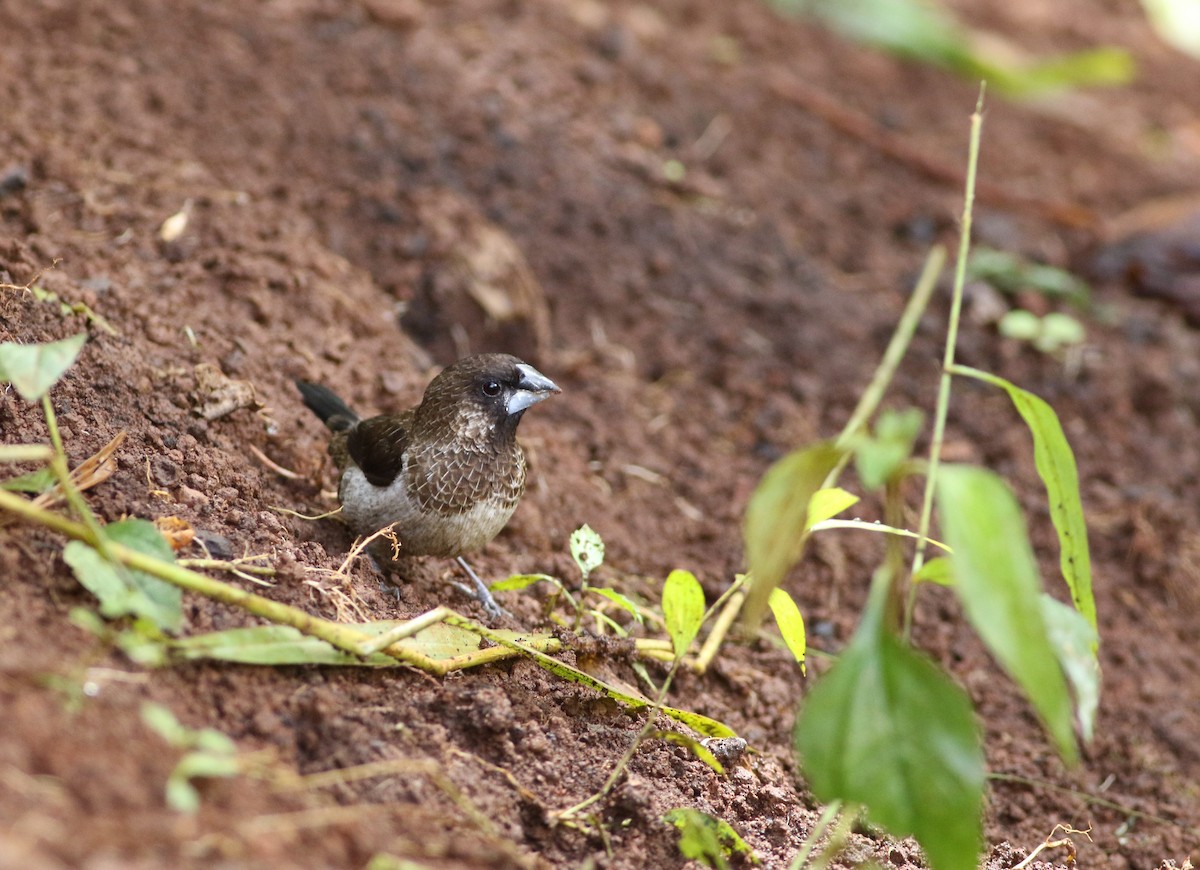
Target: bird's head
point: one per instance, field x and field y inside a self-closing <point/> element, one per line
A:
<point x="481" y="398"/>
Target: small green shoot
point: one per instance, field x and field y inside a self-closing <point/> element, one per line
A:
<point x="587" y="549"/>
<point x="34" y="368"/>
<point x="208" y="754"/>
<point x="1050" y="334"/>
<point x="880" y="458"/>
<point x="1011" y="274"/>
<point x="707" y="839"/>
<point x="128" y="592"/>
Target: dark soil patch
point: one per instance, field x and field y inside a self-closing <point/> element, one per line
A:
<point x="352" y="174"/>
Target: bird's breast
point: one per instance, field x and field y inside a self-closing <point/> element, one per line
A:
<point x="444" y="502"/>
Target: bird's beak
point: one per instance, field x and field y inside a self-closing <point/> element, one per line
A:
<point x="531" y="389"/>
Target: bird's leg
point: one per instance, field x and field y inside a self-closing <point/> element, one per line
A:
<point x="480" y="592"/>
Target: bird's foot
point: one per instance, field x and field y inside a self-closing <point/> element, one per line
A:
<point x="480" y="592"/>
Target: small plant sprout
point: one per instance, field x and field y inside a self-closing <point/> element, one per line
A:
<point x="208" y="754"/>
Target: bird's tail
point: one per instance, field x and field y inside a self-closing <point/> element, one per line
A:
<point x="327" y="405"/>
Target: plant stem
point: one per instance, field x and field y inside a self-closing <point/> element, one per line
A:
<point x="943" y="401"/>
<point x="868" y="403"/>
<point x="827" y="816"/>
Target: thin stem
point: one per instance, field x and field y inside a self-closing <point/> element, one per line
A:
<point x="810" y="842"/>
<point x="868" y="403"/>
<point x="943" y="401"/>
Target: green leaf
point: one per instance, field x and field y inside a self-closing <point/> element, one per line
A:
<point x="162" y="722"/>
<point x="826" y="504"/>
<point x="123" y="591"/>
<point x="36" y="482"/>
<point x="939" y="570"/>
<point x="777" y="520"/>
<point x="1074" y="643"/>
<point x="707" y="839"/>
<point x="791" y="624"/>
<point x="1056" y="466"/>
<point x="878" y="458"/>
<point x="1010" y="273"/>
<point x="926" y="31"/>
<point x="34" y="368"/>
<point x="587" y="550"/>
<point x="887" y="729"/>
<point x="998" y="583"/>
<point x="623" y="601"/>
<point x="522" y="581"/>
<point x="683" y="609"/>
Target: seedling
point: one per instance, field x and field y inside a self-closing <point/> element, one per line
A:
<point x="885" y="728"/>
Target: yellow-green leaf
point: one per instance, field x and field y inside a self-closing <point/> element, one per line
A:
<point x="791" y="624"/>
<point x="828" y="503"/>
<point x="939" y="570"/>
<point x="683" y="609"/>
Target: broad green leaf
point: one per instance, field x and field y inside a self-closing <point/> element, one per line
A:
<point x="124" y="591"/>
<point x="707" y="839"/>
<point x="683" y="609"/>
<point x="887" y="729"/>
<point x="36" y="482"/>
<point x="791" y="624"/>
<point x="777" y="520"/>
<point x="698" y="749"/>
<point x="1056" y="466"/>
<point x="623" y="601"/>
<point x="587" y="550"/>
<point x="828" y="503"/>
<point x="997" y="580"/>
<point x="877" y="458"/>
<point x="521" y="581"/>
<point x="34" y="368"/>
<point x="939" y="570"/>
<point x="1074" y="643"/>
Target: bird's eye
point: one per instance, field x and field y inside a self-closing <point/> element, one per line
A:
<point x="491" y="389"/>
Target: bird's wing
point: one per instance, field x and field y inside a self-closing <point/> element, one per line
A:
<point x="377" y="446"/>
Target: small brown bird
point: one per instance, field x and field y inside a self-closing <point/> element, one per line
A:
<point x="449" y="473"/>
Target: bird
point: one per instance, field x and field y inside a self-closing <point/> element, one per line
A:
<point x="445" y="475"/>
